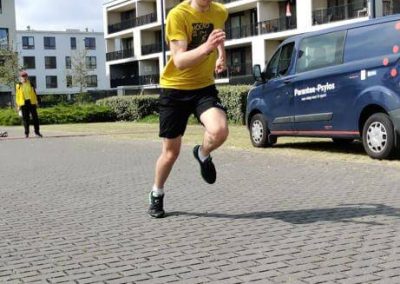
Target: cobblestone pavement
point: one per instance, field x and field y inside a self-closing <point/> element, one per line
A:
<point x="73" y="210"/>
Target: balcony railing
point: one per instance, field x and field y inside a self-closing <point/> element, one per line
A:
<point x="131" y="23"/>
<point x="391" y="9"/>
<point x="120" y="54"/>
<point x="124" y="81"/>
<point x="340" y="13"/>
<point x="146" y="19"/>
<point x="240" y="32"/>
<point x="277" y="25"/>
<point x="242" y="69"/>
<point x="149" y="79"/>
<point x="151" y="48"/>
<point x="124" y="25"/>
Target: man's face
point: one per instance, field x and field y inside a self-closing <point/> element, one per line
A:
<point x="203" y="3"/>
<point x="23" y="79"/>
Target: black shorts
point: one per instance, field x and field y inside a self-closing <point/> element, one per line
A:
<point x="177" y="105"/>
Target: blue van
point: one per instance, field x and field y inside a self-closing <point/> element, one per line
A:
<point x="342" y="83"/>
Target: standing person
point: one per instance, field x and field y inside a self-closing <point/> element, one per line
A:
<point x="196" y="40"/>
<point x="27" y="101"/>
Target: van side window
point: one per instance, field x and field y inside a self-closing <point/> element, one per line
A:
<point x="285" y="58"/>
<point x="272" y="68"/>
<point x="321" y="51"/>
<point x="280" y="62"/>
<point x="371" y="41"/>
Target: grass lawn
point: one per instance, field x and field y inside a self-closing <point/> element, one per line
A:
<point x="318" y="148"/>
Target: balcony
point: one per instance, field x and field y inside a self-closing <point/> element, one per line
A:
<point x="133" y="22"/>
<point x="124" y="81"/>
<point x="340" y="13"/>
<point x="120" y="54"/>
<point x="240" y="32"/>
<point x="124" y="25"/>
<point x="149" y="79"/>
<point x="146" y="19"/>
<point x="151" y="48"/>
<point x="277" y="25"/>
<point x="391" y="9"/>
<point x="236" y="70"/>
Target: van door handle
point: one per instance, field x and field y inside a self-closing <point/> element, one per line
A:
<point x="287" y="81"/>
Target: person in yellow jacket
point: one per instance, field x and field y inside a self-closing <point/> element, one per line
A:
<point x="27" y="102"/>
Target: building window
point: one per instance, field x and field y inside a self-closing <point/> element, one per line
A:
<point x="28" y="42"/>
<point x="68" y="62"/>
<point x="90" y="43"/>
<point x="91" y="81"/>
<point x="32" y="79"/>
<point x="3" y="38"/>
<point x="51" y="82"/>
<point x="73" y="42"/>
<point x="69" y="81"/>
<point x="50" y="62"/>
<point x="29" y="62"/>
<point x="91" y="62"/>
<point x="49" y="42"/>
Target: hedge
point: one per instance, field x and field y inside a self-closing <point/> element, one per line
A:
<point x="63" y="114"/>
<point x="132" y="108"/>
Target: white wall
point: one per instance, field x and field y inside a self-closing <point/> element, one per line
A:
<point x="63" y="49"/>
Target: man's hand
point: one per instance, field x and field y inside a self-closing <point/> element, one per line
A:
<point x="220" y="65"/>
<point x="216" y="38"/>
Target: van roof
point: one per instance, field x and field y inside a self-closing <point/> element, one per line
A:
<point x="369" y="22"/>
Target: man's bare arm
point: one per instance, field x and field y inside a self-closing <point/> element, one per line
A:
<point x="185" y="59"/>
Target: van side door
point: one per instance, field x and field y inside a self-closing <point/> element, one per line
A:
<point x="277" y="93"/>
<point x="318" y="83"/>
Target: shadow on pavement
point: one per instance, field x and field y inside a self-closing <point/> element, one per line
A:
<point x="355" y="148"/>
<point x="343" y="213"/>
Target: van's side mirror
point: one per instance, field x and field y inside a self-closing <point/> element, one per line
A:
<point x="258" y="75"/>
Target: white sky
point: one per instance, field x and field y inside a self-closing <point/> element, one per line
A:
<point x="59" y="15"/>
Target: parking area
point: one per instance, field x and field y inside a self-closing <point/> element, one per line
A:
<point x="73" y="210"/>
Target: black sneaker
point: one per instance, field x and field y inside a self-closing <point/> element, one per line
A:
<point x="39" y="135"/>
<point x="156" y="209"/>
<point x="207" y="167"/>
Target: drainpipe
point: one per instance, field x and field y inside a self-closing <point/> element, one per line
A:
<point x="372" y="8"/>
<point x="163" y="33"/>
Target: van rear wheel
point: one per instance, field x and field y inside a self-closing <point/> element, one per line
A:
<point x="259" y="133"/>
<point x="378" y="136"/>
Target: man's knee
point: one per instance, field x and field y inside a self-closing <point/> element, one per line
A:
<point x="219" y="134"/>
<point x="171" y="154"/>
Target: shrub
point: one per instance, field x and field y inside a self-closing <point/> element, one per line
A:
<point x="63" y="114"/>
<point x="131" y="108"/>
<point x="234" y="99"/>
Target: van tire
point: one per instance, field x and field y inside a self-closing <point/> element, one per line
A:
<point x="378" y="136"/>
<point x="260" y="135"/>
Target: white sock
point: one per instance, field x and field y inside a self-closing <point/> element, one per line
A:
<point x="201" y="156"/>
<point x="157" y="191"/>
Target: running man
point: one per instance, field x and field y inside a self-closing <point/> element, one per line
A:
<point x="194" y="31"/>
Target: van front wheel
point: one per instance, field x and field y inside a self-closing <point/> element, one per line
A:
<point x="259" y="133"/>
<point x="378" y="136"/>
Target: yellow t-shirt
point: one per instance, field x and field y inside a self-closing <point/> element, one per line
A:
<point x="186" y="23"/>
<point x="26" y="90"/>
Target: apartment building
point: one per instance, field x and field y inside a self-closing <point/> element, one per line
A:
<point x="254" y="29"/>
<point x="49" y="56"/>
<point x="7" y="39"/>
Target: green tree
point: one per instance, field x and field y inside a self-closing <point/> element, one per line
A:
<point x="79" y="70"/>
<point x="9" y="67"/>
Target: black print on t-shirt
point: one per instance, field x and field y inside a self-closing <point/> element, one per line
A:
<point x="200" y="34"/>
